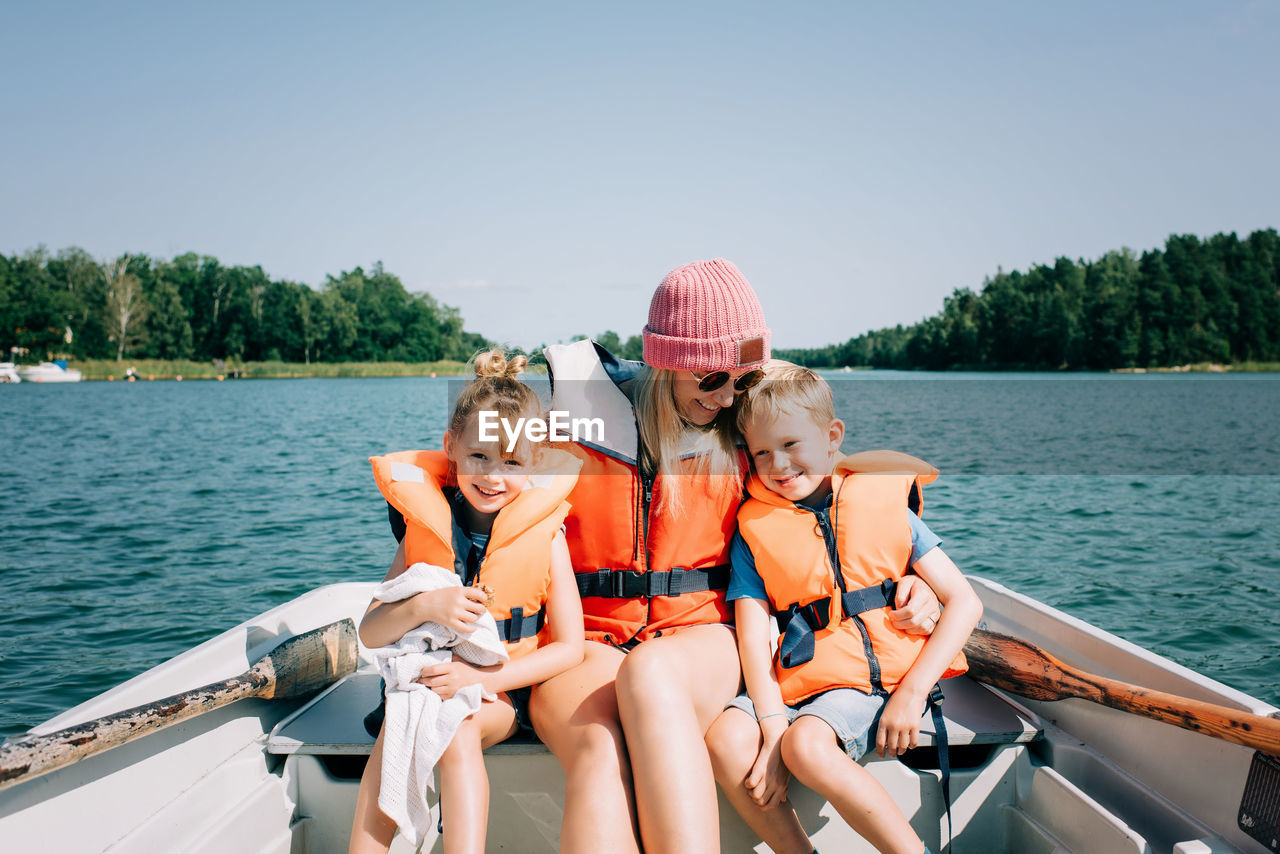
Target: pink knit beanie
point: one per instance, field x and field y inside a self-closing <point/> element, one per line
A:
<point x="705" y="317"/>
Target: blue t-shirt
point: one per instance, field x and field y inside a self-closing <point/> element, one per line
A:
<point x="745" y="582"/>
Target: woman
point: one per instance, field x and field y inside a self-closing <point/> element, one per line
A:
<point x="653" y="515"/>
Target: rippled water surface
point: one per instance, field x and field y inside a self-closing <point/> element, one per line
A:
<point x="142" y="519"/>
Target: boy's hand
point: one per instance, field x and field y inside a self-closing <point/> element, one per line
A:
<point x="768" y="778"/>
<point x="899" y="723"/>
<point x="916" y="608"/>
<point x="455" y="608"/>
<point x="451" y="677"/>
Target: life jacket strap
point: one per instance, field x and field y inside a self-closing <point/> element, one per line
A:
<point x="796" y="646"/>
<point x="944" y="756"/>
<point x="631" y="584"/>
<point x="518" y="626"/>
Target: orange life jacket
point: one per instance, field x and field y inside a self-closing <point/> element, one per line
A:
<point x="844" y="636"/>
<point x="517" y="561"/>
<point x="642" y="570"/>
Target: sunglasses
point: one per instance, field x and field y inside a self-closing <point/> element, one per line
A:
<point x="716" y="379"/>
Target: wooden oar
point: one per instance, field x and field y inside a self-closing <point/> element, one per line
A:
<point x="299" y="666"/>
<point x="1022" y="668"/>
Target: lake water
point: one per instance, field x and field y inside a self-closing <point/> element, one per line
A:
<point x="142" y="519"/>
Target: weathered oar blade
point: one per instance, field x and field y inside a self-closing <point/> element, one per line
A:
<point x="301" y="665"/>
<point x="1022" y="668"/>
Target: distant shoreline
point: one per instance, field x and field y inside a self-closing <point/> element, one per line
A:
<point x="158" y="369"/>
<point x="145" y="370"/>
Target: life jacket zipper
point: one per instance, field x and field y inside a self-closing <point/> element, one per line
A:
<point x="825" y="523"/>
<point x="646" y="497"/>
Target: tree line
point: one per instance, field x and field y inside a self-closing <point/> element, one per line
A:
<point x="1212" y="300"/>
<point x="194" y="307"/>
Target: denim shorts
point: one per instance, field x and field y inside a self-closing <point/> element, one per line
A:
<point x="852" y="714"/>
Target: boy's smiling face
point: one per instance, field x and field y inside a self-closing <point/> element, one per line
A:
<point x="793" y="454"/>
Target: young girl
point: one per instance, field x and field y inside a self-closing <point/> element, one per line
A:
<point x="495" y="518"/>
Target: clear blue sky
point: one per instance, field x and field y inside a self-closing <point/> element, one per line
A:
<point x="542" y="165"/>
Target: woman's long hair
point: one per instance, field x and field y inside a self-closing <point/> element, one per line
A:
<point x="664" y="434"/>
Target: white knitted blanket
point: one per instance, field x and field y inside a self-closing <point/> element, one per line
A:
<point x="419" y="725"/>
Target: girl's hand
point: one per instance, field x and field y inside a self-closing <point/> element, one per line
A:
<point x="451" y="677"/>
<point x="899" y="723"/>
<point x="768" y="778"/>
<point x="455" y="608"/>
<point x="916" y="608"/>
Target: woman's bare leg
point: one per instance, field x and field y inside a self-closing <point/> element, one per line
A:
<point x="812" y="752"/>
<point x="576" y="716"/>
<point x="733" y="743"/>
<point x="670" y="690"/>
<point x="464" y="784"/>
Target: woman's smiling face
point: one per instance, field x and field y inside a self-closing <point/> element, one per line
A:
<point x="700" y="407"/>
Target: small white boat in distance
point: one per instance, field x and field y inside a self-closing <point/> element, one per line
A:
<point x="9" y="373"/>
<point x="1027" y="776"/>
<point x="49" y="372"/>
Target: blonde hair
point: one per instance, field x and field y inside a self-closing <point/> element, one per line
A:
<point x="663" y="435"/>
<point x="495" y="387"/>
<point x="784" y="389"/>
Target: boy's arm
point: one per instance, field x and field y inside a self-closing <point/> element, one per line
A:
<point x="768" y="778"/>
<point x="900" y="722"/>
<point x="752" y="618"/>
<point x="384" y="623"/>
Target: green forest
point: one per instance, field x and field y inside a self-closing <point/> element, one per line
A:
<point x="1215" y="300"/>
<point x="194" y="308"/>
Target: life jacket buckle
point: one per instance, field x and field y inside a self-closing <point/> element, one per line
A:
<point x="817" y="613"/>
<point x="627" y="584"/>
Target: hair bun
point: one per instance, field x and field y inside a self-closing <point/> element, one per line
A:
<point x="494" y="364"/>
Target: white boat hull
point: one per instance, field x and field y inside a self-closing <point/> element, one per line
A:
<point x="1067" y="776"/>
<point x="47" y="372"/>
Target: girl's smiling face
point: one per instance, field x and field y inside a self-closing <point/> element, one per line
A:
<point x="488" y="477"/>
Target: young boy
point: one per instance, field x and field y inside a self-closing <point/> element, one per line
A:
<point x="821" y="542"/>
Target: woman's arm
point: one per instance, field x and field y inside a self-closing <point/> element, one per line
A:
<point x="565" y="649"/>
<point x="384" y="623"/>
<point x="916" y="607"/>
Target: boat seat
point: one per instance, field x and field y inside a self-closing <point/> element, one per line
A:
<point x="332" y="723"/>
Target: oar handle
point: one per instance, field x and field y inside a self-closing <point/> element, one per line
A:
<point x="1243" y="728"/>
<point x="33" y="755"/>
<point x="301" y="665"/>
<point x="1015" y="665"/>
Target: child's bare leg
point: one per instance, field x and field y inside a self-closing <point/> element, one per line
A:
<point x="733" y="742"/>
<point x="814" y="756"/>
<point x="371" y="830"/>
<point x="464" y="784"/>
